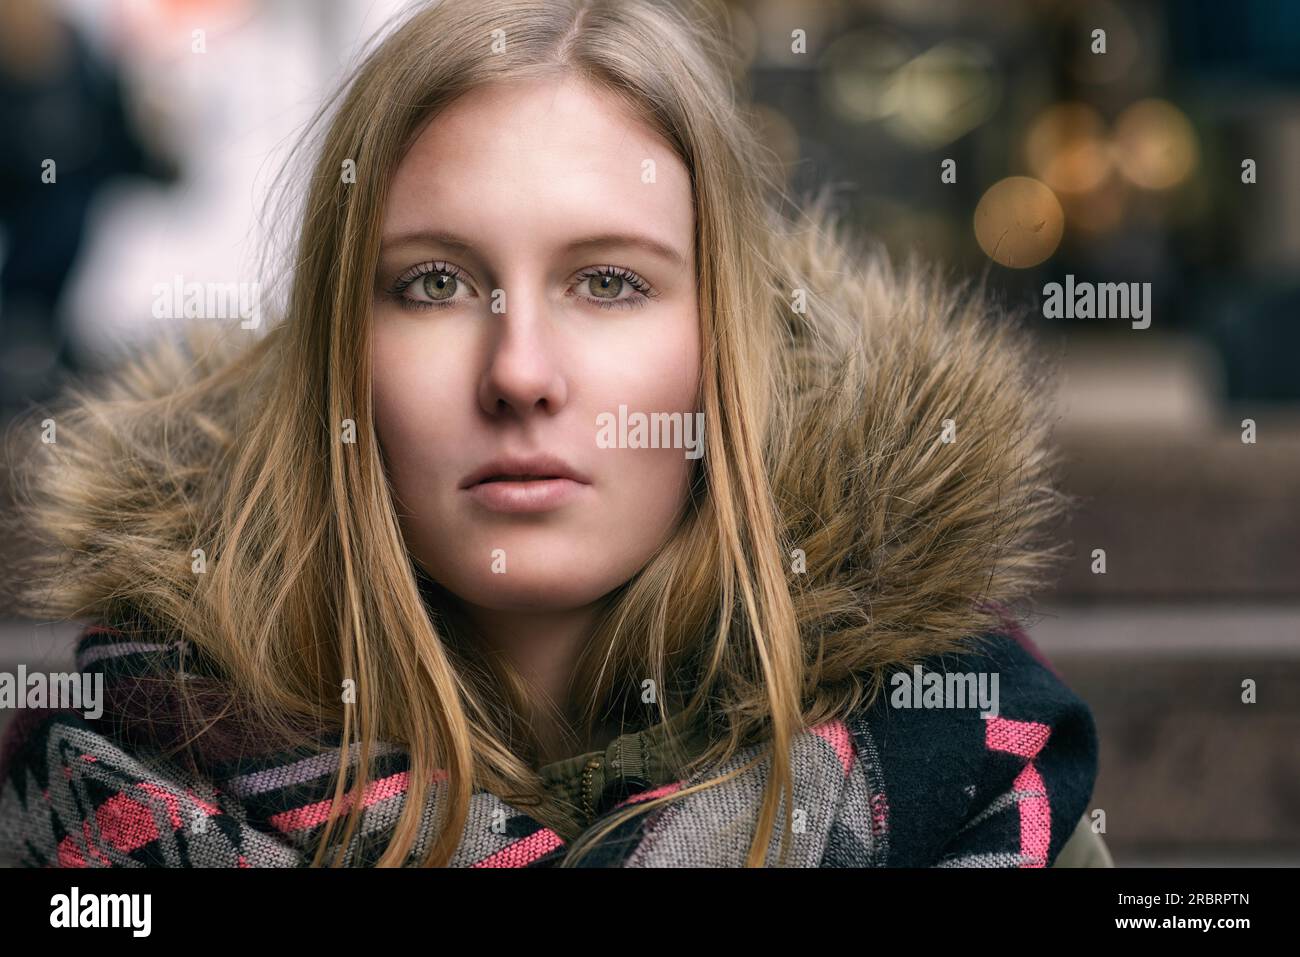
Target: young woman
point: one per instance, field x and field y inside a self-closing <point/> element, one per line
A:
<point x="582" y="506"/>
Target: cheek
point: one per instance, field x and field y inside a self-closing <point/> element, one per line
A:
<point x="655" y="368"/>
<point x="647" y="486"/>
<point x="412" y="394"/>
<point x="393" y="388"/>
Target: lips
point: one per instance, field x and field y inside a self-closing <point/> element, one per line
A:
<point x="533" y="468"/>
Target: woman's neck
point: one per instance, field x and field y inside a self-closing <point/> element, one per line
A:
<point x="543" y="647"/>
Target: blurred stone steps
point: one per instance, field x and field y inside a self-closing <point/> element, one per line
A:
<point x="1181" y="505"/>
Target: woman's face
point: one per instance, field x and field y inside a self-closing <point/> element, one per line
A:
<point x="537" y="272"/>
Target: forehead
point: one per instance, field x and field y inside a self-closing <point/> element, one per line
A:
<point x="538" y="160"/>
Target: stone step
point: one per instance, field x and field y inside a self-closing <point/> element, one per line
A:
<point x="1182" y="506"/>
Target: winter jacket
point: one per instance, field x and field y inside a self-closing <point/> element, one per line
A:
<point x="931" y="499"/>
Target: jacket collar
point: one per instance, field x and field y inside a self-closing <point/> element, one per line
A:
<point x="581" y="787"/>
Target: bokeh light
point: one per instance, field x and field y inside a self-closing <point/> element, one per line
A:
<point x="1154" y="144"/>
<point x="1019" y="222"/>
<point x="858" y="69"/>
<point x="1067" y="148"/>
<point x="942" y="94"/>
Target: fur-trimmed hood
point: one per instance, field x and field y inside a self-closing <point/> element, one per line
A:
<point x="914" y="485"/>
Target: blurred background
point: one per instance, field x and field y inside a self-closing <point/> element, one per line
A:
<point x="1173" y="157"/>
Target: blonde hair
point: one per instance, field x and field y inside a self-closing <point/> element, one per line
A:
<point x="310" y="582"/>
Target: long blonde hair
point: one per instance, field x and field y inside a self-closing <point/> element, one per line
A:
<point x="309" y="583"/>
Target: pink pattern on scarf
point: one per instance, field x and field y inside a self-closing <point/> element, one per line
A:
<point x="524" y="851"/>
<point x="319" y="812"/>
<point x="836" y="734"/>
<point x="1026" y="739"/>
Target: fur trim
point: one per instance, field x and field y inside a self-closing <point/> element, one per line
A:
<point x="913" y="545"/>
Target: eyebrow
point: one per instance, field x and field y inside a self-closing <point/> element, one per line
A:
<point x="633" y="240"/>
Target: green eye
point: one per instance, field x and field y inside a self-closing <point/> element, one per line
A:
<point x="439" y="282"/>
<point x="439" y="286"/>
<point x="605" y="287"/>
<point x="608" y="283"/>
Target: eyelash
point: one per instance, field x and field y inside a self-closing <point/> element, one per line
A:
<point x="645" y="292"/>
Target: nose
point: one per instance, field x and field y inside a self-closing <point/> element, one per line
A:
<point x="522" y="372"/>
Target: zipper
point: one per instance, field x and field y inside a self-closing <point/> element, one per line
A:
<point x="627" y="763"/>
<point x="588" y="799"/>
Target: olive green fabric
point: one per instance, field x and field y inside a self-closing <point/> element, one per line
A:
<point x="1085" y="848"/>
<point x="648" y="757"/>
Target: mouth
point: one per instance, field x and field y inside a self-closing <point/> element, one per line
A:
<point x="518" y="494"/>
<point x="536" y="468"/>
<point x="534" y="484"/>
<point x="519" y="478"/>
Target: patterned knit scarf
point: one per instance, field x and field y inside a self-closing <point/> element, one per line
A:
<point x="883" y="787"/>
